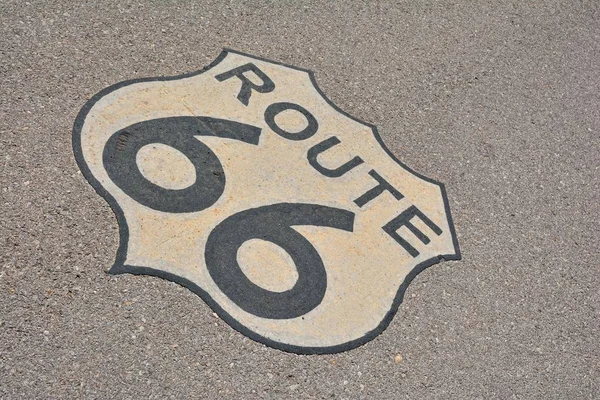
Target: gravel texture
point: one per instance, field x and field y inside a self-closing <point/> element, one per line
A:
<point x="498" y="100"/>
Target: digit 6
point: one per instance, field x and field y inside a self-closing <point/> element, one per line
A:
<point x="120" y="151"/>
<point x="273" y="223"/>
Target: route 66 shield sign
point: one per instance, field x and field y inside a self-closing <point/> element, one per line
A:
<point x="245" y="184"/>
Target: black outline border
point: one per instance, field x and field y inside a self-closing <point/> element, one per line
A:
<point x="120" y="268"/>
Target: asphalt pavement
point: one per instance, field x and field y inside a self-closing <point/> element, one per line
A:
<point x="500" y="101"/>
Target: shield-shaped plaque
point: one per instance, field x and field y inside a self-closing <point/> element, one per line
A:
<point x="245" y="184"/>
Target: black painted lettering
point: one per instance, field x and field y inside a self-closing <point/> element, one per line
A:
<point x="274" y="109"/>
<point x="325" y="145"/>
<point x="247" y="85"/>
<point x="404" y="219"/>
<point x="381" y="187"/>
<point x="273" y="223"/>
<point x="120" y="151"/>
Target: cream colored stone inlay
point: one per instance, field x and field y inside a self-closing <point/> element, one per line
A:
<point x="365" y="264"/>
<point x="165" y="166"/>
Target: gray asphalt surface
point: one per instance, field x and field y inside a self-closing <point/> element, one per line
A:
<point x="500" y="101"/>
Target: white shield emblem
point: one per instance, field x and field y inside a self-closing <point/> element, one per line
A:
<point x="245" y="184"/>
